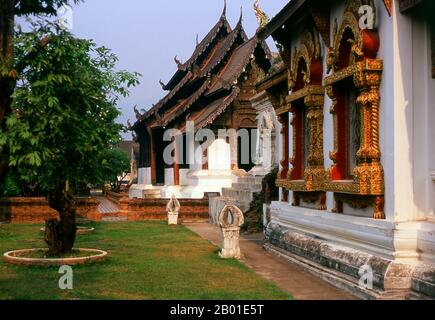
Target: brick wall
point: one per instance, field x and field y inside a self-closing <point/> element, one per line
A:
<point x="37" y="210"/>
<point x="155" y="209"/>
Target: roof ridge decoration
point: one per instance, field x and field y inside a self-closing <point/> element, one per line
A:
<point x="262" y="17"/>
<point x="241" y="16"/>
<point x="202" y="47"/>
<point x="227" y="101"/>
<point x="231" y="38"/>
<point x="179" y="63"/>
<point x="192" y="99"/>
<point x="139" y="116"/>
<point x="169" y="96"/>
<point x="162" y="84"/>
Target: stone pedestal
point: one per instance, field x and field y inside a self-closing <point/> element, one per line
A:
<point x="230" y="243"/>
<point x="230" y="220"/>
<point x="172" y="218"/>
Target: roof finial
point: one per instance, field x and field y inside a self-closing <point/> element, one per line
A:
<point x="224" y="13"/>
<point x="178" y="62"/>
<point x="262" y="18"/>
<point x="197" y="39"/>
<point x="137" y="113"/>
<point x="162" y="84"/>
<point x="241" y="15"/>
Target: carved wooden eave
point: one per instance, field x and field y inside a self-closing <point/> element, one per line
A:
<point x="273" y="80"/>
<point x="321" y="16"/>
<point x="279" y="20"/>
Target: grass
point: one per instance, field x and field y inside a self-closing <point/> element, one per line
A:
<point x="147" y="260"/>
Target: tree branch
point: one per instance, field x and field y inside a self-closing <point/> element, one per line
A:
<point x="24" y="62"/>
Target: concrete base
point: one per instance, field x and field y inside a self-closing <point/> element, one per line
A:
<point x="198" y="183"/>
<point x="241" y="193"/>
<point x="341" y="266"/>
<point x="337" y="247"/>
<point x="230" y="243"/>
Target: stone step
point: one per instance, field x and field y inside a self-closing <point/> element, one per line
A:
<point x="250" y="179"/>
<point x="253" y="187"/>
<point x="240" y="195"/>
<point x="152" y="194"/>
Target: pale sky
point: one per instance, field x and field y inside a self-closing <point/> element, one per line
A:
<point x="147" y="34"/>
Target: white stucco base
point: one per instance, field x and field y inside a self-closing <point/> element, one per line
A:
<point x="193" y="184"/>
<point x="390" y="240"/>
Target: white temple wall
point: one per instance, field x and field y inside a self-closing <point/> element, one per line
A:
<point x="144" y="176"/>
<point x="184" y="179"/>
<point x="386" y="110"/>
<point x="219" y="155"/>
<point x="169" y="177"/>
<point x="424" y="117"/>
<point x="400" y="183"/>
<point x="396" y="141"/>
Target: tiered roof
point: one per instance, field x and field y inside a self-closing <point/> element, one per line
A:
<point x="206" y="84"/>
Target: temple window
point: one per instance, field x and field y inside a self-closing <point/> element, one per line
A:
<point x="306" y="176"/>
<point x="356" y="176"/>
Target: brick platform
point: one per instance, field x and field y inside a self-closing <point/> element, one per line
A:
<point x="155" y="209"/>
<point x="37" y="210"/>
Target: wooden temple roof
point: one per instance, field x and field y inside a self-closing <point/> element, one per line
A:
<point x="203" y="87"/>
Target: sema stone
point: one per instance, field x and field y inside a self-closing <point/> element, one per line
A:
<point x="173" y="208"/>
<point x="230" y="220"/>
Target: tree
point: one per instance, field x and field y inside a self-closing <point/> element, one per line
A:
<point x="115" y="165"/>
<point x="64" y="118"/>
<point x="10" y="68"/>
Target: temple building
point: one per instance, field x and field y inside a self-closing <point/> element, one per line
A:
<point x="355" y="98"/>
<point x="212" y="90"/>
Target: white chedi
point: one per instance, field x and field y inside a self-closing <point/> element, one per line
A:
<point x="230" y="220"/>
<point x="173" y="208"/>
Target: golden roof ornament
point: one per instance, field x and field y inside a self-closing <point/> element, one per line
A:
<point x="262" y="17"/>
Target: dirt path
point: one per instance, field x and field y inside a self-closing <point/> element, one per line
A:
<point x="289" y="277"/>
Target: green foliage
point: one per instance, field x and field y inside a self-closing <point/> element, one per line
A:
<point x="11" y="187"/>
<point x="269" y="192"/>
<point x="27" y="7"/>
<point x="114" y="165"/>
<point x="65" y="107"/>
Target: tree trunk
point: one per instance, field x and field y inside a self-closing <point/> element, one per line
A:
<point x="60" y="235"/>
<point x="7" y="81"/>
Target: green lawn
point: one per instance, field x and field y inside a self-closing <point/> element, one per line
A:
<point x="147" y="261"/>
